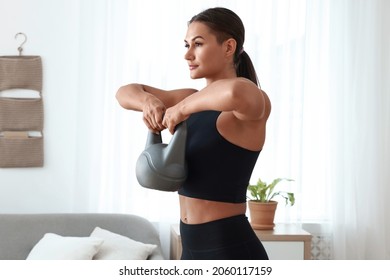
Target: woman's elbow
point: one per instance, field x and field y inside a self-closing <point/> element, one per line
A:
<point x="120" y="96"/>
<point x="123" y="95"/>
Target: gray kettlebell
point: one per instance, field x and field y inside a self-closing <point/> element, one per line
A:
<point x="162" y="166"/>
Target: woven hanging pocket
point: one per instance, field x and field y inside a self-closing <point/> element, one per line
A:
<point x="21" y="72"/>
<point x="21" y="114"/>
<point x="21" y="152"/>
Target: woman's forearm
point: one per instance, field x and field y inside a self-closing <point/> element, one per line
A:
<point x="132" y="97"/>
<point x="241" y="97"/>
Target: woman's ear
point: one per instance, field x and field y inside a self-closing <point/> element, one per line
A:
<point x="230" y="47"/>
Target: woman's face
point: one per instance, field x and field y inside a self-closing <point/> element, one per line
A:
<point x="206" y="58"/>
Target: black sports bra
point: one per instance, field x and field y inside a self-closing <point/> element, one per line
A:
<point x="218" y="170"/>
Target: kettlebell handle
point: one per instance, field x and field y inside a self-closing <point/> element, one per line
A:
<point x="175" y="151"/>
<point x="155" y="138"/>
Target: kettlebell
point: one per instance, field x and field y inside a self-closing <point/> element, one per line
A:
<point x="162" y="166"/>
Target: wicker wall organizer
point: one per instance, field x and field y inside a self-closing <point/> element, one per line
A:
<point x="21" y="118"/>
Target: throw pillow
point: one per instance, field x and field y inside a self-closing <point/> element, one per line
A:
<point x="119" y="247"/>
<point x="55" y="247"/>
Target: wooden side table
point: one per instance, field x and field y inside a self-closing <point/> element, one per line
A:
<point x="284" y="242"/>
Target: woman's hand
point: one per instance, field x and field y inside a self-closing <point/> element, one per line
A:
<point x="153" y="113"/>
<point x="173" y="116"/>
<point x="153" y="102"/>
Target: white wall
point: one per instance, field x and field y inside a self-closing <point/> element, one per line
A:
<point x="52" y="31"/>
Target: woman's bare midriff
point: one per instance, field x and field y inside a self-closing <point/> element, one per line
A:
<point x="199" y="211"/>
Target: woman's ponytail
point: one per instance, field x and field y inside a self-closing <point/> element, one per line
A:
<point x="245" y="68"/>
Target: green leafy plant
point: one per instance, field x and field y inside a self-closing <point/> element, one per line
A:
<point x="263" y="192"/>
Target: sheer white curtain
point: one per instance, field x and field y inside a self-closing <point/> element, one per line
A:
<point x="360" y="122"/>
<point x="324" y="65"/>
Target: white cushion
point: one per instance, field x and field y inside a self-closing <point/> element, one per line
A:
<point x="118" y="247"/>
<point x="56" y="247"/>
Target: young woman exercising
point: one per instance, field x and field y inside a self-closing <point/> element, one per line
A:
<point x="226" y="123"/>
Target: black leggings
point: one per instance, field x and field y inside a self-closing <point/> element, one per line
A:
<point x="227" y="239"/>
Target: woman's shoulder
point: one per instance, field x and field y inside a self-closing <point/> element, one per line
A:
<point x="246" y="84"/>
<point x="255" y="94"/>
<point x="267" y="105"/>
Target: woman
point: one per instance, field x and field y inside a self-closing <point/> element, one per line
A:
<point x="226" y="124"/>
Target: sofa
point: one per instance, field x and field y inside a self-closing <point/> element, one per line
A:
<point x="21" y="233"/>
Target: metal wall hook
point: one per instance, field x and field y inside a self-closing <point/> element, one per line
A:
<point x="20" y="48"/>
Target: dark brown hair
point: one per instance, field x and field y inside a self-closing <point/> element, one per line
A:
<point x="225" y="24"/>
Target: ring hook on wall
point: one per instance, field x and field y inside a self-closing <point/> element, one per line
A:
<point x="20" y="48"/>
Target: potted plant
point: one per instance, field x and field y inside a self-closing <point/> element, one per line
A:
<point x="261" y="205"/>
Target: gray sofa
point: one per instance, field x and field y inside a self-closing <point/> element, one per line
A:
<point x="20" y="232"/>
